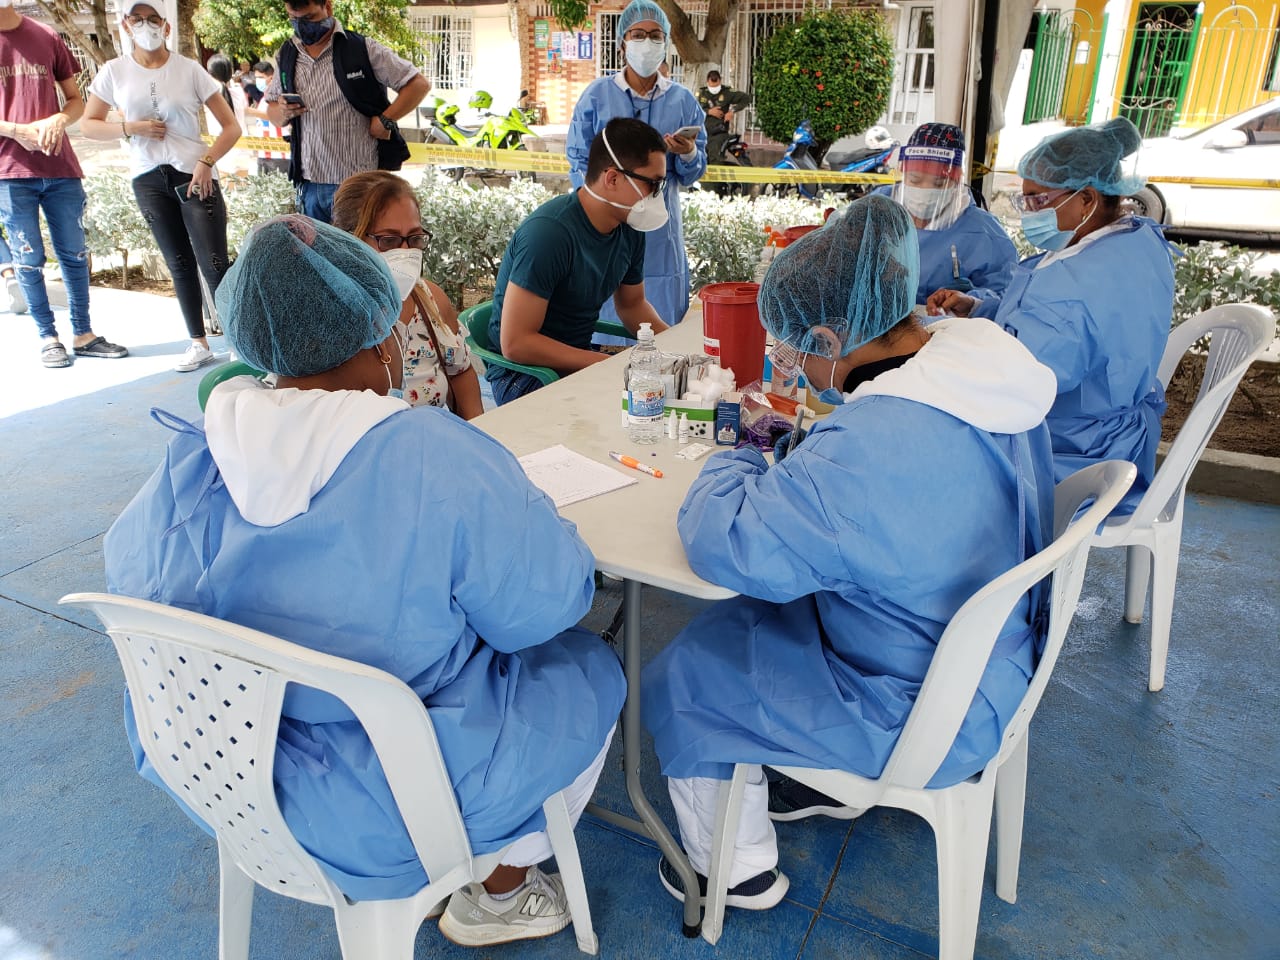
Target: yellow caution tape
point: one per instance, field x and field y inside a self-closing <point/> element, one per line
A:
<point x="1230" y="183"/>
<point x="535" y="162"/>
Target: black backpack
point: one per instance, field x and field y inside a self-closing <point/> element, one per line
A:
<point x="354" y="73"/>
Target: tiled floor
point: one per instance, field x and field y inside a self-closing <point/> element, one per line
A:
<point x="1151" y="827"/>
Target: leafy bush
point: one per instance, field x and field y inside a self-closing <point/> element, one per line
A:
<point x="112" y="221"/>
<point x="1212" y="273"/>
<point x="724" y="236"/>
<point x="253" y="199"/>
<point x="833" y="68"/>
<point x="470" y="228"/>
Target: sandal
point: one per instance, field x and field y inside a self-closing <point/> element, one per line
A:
<point x="54" y="354"/>
<point x="101" y="347"/>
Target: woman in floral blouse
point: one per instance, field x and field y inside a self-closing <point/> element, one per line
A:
<point x="380" y="208"/>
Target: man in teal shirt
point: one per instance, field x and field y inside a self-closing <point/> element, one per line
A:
<point x="573" y="253"/>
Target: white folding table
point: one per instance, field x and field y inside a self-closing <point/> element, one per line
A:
<point x="631" y="532"/>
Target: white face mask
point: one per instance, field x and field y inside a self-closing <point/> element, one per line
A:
<point x="925" y="203"/>
<point x="148" y="37"/>
<point x="646" y="216"/>
<point x="406" y="268"/>
<point x="646" y="56"/>
<point x="713" y="90"/>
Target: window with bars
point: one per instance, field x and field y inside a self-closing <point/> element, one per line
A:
<point x="445" y="48"/>
<point x="609" y="56"/>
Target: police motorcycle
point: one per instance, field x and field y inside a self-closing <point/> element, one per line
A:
<point x="871" y="158"/>
<point x="799" y="156"/>
<point x="498" y="132"/>
<point x="736" y="154"/>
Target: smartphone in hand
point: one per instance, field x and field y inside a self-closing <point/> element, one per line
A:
<point x="688" y="133"/>
<point x="293" y="99"/>
<point x="181" y="191"/>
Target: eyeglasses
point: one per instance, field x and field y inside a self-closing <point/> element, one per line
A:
<point x="1031" y="202"/>
<point x="155" y="20"/>
<point x="393" y="241"/>
<point x="638" y="35"/>
<point x="656" y="186"/>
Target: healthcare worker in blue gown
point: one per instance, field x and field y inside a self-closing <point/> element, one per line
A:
<point x="329" y="512"/>
<point x="641" y="92"/>
<point x="853" y="552"/>
<point x="1096" y="306"/>
<point x="962" y="246"/>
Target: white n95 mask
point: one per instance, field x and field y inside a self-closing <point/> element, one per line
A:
<point x="406" y="268"/>
<point x="148" y="37"/>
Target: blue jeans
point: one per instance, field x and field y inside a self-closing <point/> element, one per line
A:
<point x="510" y="385"/>
<point x="62" y="199"/>
<point x="316" y="200"/>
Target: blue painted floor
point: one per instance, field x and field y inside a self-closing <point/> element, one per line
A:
<point x="1151" y="826"/>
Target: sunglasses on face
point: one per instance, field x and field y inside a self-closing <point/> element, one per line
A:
<point x="656" y="186"/>
<point x="1031" y="202"/>
<point x="394" y="241"/>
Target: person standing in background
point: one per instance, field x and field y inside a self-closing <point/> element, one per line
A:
<point x="640" y="92"/>
<point x="158" y="95"/>
<point x="39" y="170"/>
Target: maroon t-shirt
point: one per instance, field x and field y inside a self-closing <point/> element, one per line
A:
<point x="33" y="60"/>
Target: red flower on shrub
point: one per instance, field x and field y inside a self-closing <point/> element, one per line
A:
<point x="821" y="87"/>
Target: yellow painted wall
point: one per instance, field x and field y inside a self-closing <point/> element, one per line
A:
<point x="1232" y="52"/>
<point x="1079" y="80"/>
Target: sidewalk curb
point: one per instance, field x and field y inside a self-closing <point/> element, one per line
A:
<point x="1242" y="476"/>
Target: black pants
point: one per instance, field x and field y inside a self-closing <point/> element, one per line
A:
<point x="192" y="237"/>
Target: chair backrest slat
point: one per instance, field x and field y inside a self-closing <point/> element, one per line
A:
<point x="965" y="646"/>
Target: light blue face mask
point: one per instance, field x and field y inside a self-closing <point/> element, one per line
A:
<point x="1041" y="228"/>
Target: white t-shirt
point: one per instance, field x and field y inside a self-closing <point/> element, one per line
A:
<point x="174" y="93"/>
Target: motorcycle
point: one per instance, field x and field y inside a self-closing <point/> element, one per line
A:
<point x="736" y="155"/>
<point x="799" y="156"/>
<point x="871" y="158"/>
<point x="498" y="132"/>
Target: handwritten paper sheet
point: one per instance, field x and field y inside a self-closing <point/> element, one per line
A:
<point x="567" y="477"/>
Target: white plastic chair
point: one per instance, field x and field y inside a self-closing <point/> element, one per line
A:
<point x="207" y="696"/>
<point x="1238" y="333"/>
<point x="961" y="814"/>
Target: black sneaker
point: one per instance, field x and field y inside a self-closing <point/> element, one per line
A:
<point x="792" y="800"/>
<point x="760" y="892"/>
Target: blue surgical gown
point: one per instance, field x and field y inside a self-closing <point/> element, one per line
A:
<point x="666" y="266"/>
<point x="1100" y="320"/>
<point x="985" y="256"/>
<point x="852" y="555"/>
<point x="458" y="577"/>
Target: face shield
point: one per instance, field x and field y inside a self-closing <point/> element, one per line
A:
<point x="933" y="188"/>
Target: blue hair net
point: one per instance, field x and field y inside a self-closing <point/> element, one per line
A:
<point x="638" y="10"/>
<point x="304" y="297"/>
<point x="1086" y="157"/>
<point x="856" y="275"/>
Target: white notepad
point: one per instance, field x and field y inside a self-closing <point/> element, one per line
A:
<point x="567" y="477"/>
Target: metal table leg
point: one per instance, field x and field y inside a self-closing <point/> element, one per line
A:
<point x="649" y="821"/>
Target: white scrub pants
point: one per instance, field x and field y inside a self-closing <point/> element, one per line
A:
<point x="535" y="847"/>
<point x="756" y="847"/>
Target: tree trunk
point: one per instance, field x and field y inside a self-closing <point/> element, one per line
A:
<point x="63" y="14"/>
<point x="700" y="53"/>
<point x="186" y="29"/>
<point x="102" y="26"/>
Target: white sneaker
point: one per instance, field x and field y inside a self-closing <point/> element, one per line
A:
<point x="475" y="919"/>
<point x="195" y="358"/>
<point x="17" y="302"/>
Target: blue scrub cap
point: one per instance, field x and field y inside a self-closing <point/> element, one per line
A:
<point x="1086" y="157"/>
<point x="638" y="10"/>
<point x="304" y="297"/>
<point x="856" y="275"/>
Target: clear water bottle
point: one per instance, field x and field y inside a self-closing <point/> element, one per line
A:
<point x="646" y="394"/>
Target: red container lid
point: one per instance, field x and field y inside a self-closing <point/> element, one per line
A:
<point x="729" y="293"/>
<point x="795" y="233"/>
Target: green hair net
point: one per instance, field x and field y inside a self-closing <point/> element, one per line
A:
<point x="304" y="297"/>
<point x="638" y="10"/>
<point x="1086" y="157"/>
<point x="856" y="275"/>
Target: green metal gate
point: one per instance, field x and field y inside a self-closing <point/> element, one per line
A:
<point x="1160" y="58"/>
<point x="1066" y="48"/>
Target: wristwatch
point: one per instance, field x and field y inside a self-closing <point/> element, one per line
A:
<point x="388" y="123"/>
